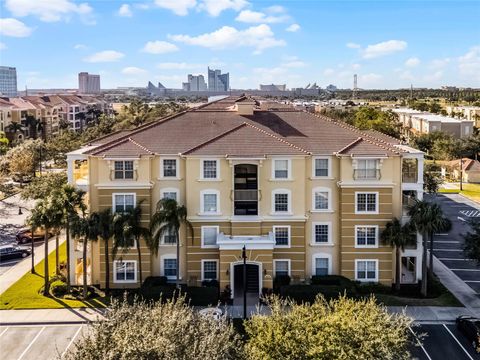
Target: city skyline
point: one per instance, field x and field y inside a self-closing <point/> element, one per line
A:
<point x="256" y="42"/>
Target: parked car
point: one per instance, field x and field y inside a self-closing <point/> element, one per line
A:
<point x="19" y="178"/>
<point x="470" y="327"/>
<point x="9" y="252"/>
<point x="25" y="236"/>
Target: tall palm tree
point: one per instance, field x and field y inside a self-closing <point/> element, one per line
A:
<point x="104" y="225"/>
<point x="14" y="128"/>
<point x="428" y="219"/>
<point x="166" y="220"/>
<point x="34" y="221"/>
<point x="128" y="231"/>
<point x="85" y="229"/>
<point x="73" y="202"/>
<point x="397" y="235"/>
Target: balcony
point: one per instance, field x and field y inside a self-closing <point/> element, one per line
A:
<point x="245" y="192"/>
<point x="367" y="174"/>
<point x="245" y="195"/>
<point x="409" y="171"/>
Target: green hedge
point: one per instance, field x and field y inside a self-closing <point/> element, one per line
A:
<point x="202" y="296"/>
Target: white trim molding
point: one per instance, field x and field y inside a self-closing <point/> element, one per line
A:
<point x="313" y="241"/>
<point x="162" y="266"/>
<point x="321" y="255"/>
<point x="289" y="169"/>
<point x="365" y="279"/>
<point x="329" y="167"/>
<point x="289" y="234"/>
<point x="289" y="262"/>
<point x="319" y="189"/>
<point x="170" y="190"/>
<point x="289" y="199"/>
<point x="202" y="277"/>
<point x="377" y="201"/>
<point x="217" y="170"/>
<point x="115" y="262"/>
<point x="177" y="168"/>
<point x="202" y="204"/>
<point x="366" y="246"/>
<point x="202" y="239"/>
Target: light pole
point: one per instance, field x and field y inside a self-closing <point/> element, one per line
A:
<point x="244" y="257"/>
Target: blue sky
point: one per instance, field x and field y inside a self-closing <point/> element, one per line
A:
<point x="389" y="44"/>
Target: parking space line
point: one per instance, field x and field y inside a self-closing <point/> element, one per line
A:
<point x="471" y="281"/>
<point x="71" y="342"/>
<point x="446" y="241"/>
<point x="447" y="249"/>
<point x="452" y="259"/>
<point x="465" y="269"/>
<point x="458" y="342"/>
<point x="421" y="345"/>
<point x="4" y="331"/>
<point x="31" y="343"/>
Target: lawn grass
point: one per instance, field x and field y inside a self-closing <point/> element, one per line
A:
<point x="471" y="191"/>
<point x="446" y="299"/>
<point x="26" y="293"/>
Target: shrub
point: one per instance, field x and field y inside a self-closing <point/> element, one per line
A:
<point x="331" y="280"/>
<point x="308" y="293"/>
<point x="211" y="283"/>
<point x="202" y="296"/>
<point x="281" y="280"/>
<point x="337" y="329"/>
<point x="155" y="281"/>
<point x="373" y="288"/>
<point x="58" y="288"/>
<point x="157" y="292"/>
<point x="170" y="330"/>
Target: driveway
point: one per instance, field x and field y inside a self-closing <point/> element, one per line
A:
<point x="448" y="247"/>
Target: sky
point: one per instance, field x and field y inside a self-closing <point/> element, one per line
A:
<point x="389" y="44"/>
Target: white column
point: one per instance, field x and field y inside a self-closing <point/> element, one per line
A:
<point x="420" y="170"/>
<point x="70" y="168"/>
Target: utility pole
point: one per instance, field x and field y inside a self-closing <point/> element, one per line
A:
<point x="355" y="89"/>
<point x="461" y="174"/>
<point x="244" y="257"/>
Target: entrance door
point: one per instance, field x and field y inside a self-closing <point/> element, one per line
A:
<point x="252" y="280"/>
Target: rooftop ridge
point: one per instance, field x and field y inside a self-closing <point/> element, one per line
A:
<point x="196" y="147"/>
<point x="140" y="146"/>
<point x="348" y="146"/>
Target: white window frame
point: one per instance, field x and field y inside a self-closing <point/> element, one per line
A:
<point x="322" y="189"/>
<point x="289" y="169"/>
<point x="289" y="198"/>
<point x="162" y="242"/>
<point x="376" y="270"/>
<point x="202" y="277"/>
<point x="357" y="167"/>
<point x="115" y="262"/>
<point x="316" y="256"/>
<point x="376" y="236"/>
<point x="162" y="266"/>
<point x="289" y="262"/>
<point x="123" y="170"/>
<point x="289" y="242"/>
<point x="377" y="194"/>
<point x="177" y="167"/>
<point x="170" y="190"/>
<point x="313" y="238"/>
<point x="114" y="205"/>
<point x="329" y="168"/>
<point x="209" y="192"/>
<point x="202" y="177"/>
<point x="203" y="246"/>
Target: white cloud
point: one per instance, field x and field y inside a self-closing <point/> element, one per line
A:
<point x="276" y="9"/>
<point x="469" y="64"/>
<point x="178" y="7"/>
<point x="215" y="7"/>
<point x="249" y="16"/>
<point x="439" y="63"/>
<point x="80" y="47"/>
<point x="412" y="62"/>
<point x="352" y="45"/>
<point x="2" y="46"/>
<point x="433" y="77"/>
<point x="13" y="27"/>
<point x="384" y="48"/>
<point x="125" y="11"/>
<point x="179" y="66"/>
<point x="49" y="10"/>
<point x="294" y="64"/>
<point x="369" y="79"/>
<point x="293" y="28"/>
<point x="104" y="56"/>
<point x="328" y="72"/>
<point x="133" y="70"/>
<point x="159" y="47"/>
<point x="259" y="37"/>
<point x="356" y="66"/>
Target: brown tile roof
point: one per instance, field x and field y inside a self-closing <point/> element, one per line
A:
<point x="126" y="147"/>
<point x="468" y="164"/>
<point x="263" y="133"/>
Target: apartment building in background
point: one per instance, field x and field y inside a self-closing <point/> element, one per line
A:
<point x="420" y="122"/>
<point x="218" y="81"/>
<point x="304" y="194"/>
<point x="273" y="87"/>
<point x="8" y="81"/>
<point x="88" y="83"/>
<point x="466" y="112"/>
<point x="195" y="83"/>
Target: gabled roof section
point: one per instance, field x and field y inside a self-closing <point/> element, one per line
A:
<point x="246" y="140"/>
<point x="127" y="147"/>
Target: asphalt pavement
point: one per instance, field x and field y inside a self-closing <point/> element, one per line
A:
<point x="448" y="247"/>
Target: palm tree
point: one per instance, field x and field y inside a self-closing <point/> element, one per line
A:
<point x="14" y="128"/>
<point x="34" y="221"/>
<point x="167" y="220"/>
<point x="73" y="201"/>
<point x="128" y="231"/>
<point x="84" y="228"/>
<point x="103" y="221"/>
<point x="397" y="235"/>
<point x="428" y="219"/>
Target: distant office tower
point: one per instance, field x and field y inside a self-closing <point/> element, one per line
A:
<point x="218" y="81"/>
<point x="195" y="83"/>
<point x="88" y="83"/>
<point x="273" y="87"/>
<point x="331" y="88"/>
<point x="8" y="81"/>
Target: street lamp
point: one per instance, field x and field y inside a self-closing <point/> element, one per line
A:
<point x="244" y="257"/>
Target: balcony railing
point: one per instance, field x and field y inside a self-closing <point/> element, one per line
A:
<point x="246" y="195"/>
<point x="366" y="174"/>
<point x="407" y="202"/>
<point x="410" y="176"/>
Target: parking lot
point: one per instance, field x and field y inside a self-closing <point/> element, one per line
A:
<point x="448" y="247"/>
<point x="45" y="342"/>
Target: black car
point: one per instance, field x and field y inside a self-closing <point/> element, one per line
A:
<point x="470" y="327"/>
<point x="13" y="252"/>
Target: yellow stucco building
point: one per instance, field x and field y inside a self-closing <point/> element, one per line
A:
<point x="304" y="194"/>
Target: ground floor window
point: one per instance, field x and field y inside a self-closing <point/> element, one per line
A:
<point x="321" y="266"/>
<point x="366" y="270"/>
<point x="282" y="267"/>
<point x="209" y="270"/>
<point x="170" y="268"/>
<point x="125" y="271"/>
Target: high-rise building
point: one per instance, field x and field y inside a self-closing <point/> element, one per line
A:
<point x="196" y="83"/>
<point x="8" y="81"/>
<point x="218" y="81"/>
<point x="273" y="87"/>
<point x="88" y="83"/>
